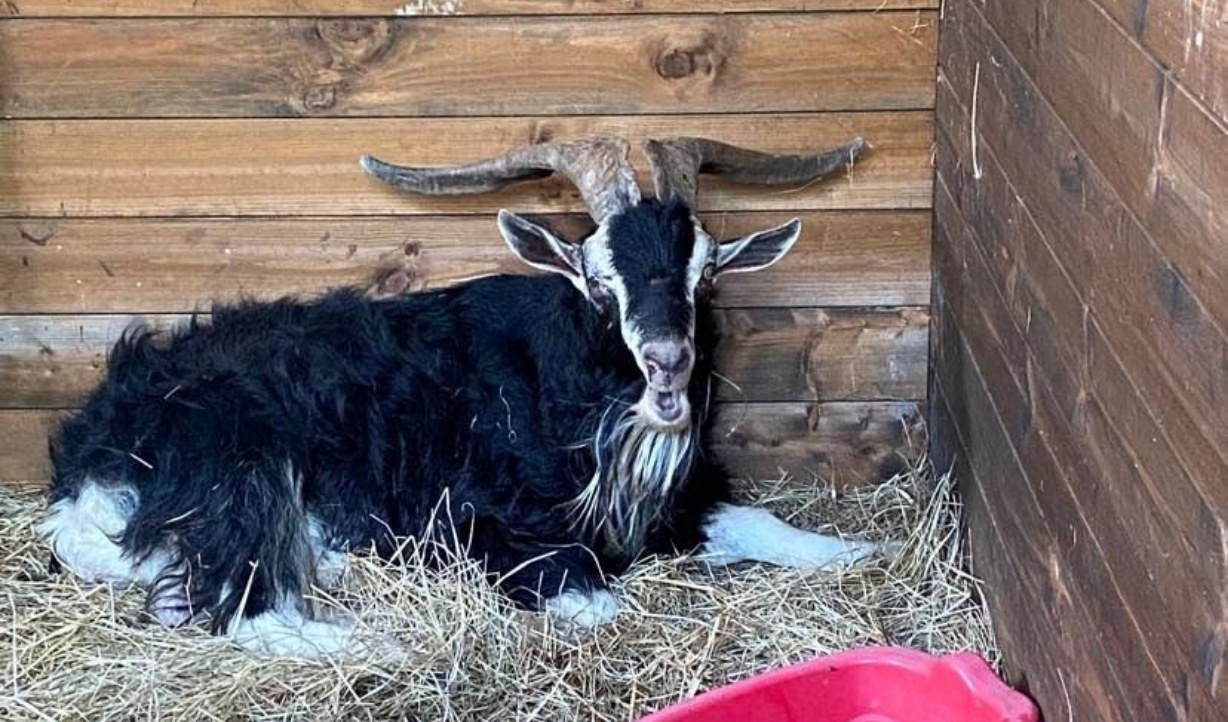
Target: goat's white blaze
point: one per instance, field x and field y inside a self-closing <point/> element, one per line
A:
<point x="599" y="266"/>
<point x="84" y="533"/>
<point x="744" y="533"/>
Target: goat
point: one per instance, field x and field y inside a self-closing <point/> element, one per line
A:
<point x="229" y="464"/>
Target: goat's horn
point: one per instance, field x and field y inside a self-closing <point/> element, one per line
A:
<point x="598" y="167"/>
<point x="677" y="162"/>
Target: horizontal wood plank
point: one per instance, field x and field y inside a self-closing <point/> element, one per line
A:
<point x="1129" y="570"/>
<point x="776" y="354"/>
<point x="266" y="8"/>
<point x="174" y="266"/>
<point x="1119" y="485"/>
<point x="1140" y="140"/>
<point x="1037" y="564"/>
<point x="1163" y="314"/>
<point x="766" y="355"/>
<point x="310" y="166"/>
<point x="145" y="68"/>
<point x="23" y="453"/>
<point x="1069" y="338"/>
<point x="1009" y="551"/>
<point x="1189" y="38"/>
<point x="849" y="442"/>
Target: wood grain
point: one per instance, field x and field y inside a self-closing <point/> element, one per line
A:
<point x="210" y="167"/>
<point x="222" y="8"/>
<point x="1070" y="338"/>
<point x="1077" y="490"/>
<point x="1098" y="551"/>
<point x="766" y="355"/>
<point x="850" y="442"/>
<point x="175" y="266"/>
<point x="1164" y="314"/>
<point x="1007" y="532"/>
<point x="1189" y="38"/>
<point x="1119" y="131"/>
<point x="777" y="354"/>
<point x="143" y="68"/>
<point x="1012" y="551"/>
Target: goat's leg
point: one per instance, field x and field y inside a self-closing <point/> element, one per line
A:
<point x="734" y="534"/>
<point x="564" y="580"/>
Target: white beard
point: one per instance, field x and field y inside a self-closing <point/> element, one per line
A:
<point x="638" y="469"/>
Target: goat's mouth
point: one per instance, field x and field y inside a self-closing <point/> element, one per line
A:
<point x="666" y="410"/>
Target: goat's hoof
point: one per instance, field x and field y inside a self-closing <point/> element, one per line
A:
<point x="580" y="610"/>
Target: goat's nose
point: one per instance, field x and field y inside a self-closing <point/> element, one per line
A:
<point x="666" y="357"/>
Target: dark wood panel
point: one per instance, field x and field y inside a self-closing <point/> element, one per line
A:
<point x="1062" y="330"/>
<point x="843" y="258"/>
<point x="766" y="355"/>
<point x="847" y="442"/>
<point x="310" y="166"/>
<point x="1131" y="526"/>
<point x="219" y="8"/>
<point x="23" y="457"/>
<point x="851" y="442"/>
<point x="1055" y="656"/>
<point x="779" y="354"/>
<point x="1153" y="314"/>
<point x="1005" y="531"/>
<point x="480" y="66"/>
<point x="1117" y="129"/>
<point x="1188" y="37"/>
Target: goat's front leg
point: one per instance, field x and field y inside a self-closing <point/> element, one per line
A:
<point x="564" y="579"/>
<point x="745" y="533"/>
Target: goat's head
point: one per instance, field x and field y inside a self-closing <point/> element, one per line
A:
<point x="649" y="262"/>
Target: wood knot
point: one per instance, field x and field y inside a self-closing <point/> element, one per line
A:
<point x="358" y="41"/>
<point x="320" y="97"/>
<point x="699" y="56"/>
<point x="412" y="249"/>
<point x="676" y="64"/>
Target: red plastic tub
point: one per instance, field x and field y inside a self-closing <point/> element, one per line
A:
<point x="867" y="685"/>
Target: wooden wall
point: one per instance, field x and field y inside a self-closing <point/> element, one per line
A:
<point x="1080" y="356"/>
<point x="155" y="156"/>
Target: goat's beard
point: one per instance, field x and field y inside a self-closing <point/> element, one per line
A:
<point x="639" y="466"/>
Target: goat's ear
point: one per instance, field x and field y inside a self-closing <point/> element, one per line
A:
<point x="758" y="250"/>
<point x="540" y="248"/>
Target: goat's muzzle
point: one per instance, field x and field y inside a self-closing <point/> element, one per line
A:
<point x="667" y="368"/>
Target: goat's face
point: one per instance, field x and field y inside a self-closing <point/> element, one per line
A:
<point x="647" y="269"/>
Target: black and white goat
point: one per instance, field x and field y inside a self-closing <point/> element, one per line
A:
<point x="228" y="465"/>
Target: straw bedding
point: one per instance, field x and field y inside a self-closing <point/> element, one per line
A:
<point x="74" y="651"/>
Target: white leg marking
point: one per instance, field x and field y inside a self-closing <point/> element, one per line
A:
<point x="746" y="533"/>
<point x="286" y="632"/>
<point x="583" y="609"/>
<point x="82" y="531"/>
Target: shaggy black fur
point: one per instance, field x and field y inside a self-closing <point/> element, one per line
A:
<point x="362" y="413"/>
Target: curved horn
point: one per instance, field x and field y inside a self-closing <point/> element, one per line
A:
<point x="677" y="162"/>
<point x="598" y="167"/>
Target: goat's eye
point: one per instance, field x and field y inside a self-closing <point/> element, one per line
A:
<point x="709" y="271"/>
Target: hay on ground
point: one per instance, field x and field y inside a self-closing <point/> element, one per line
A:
<point x="75" y="651"/>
